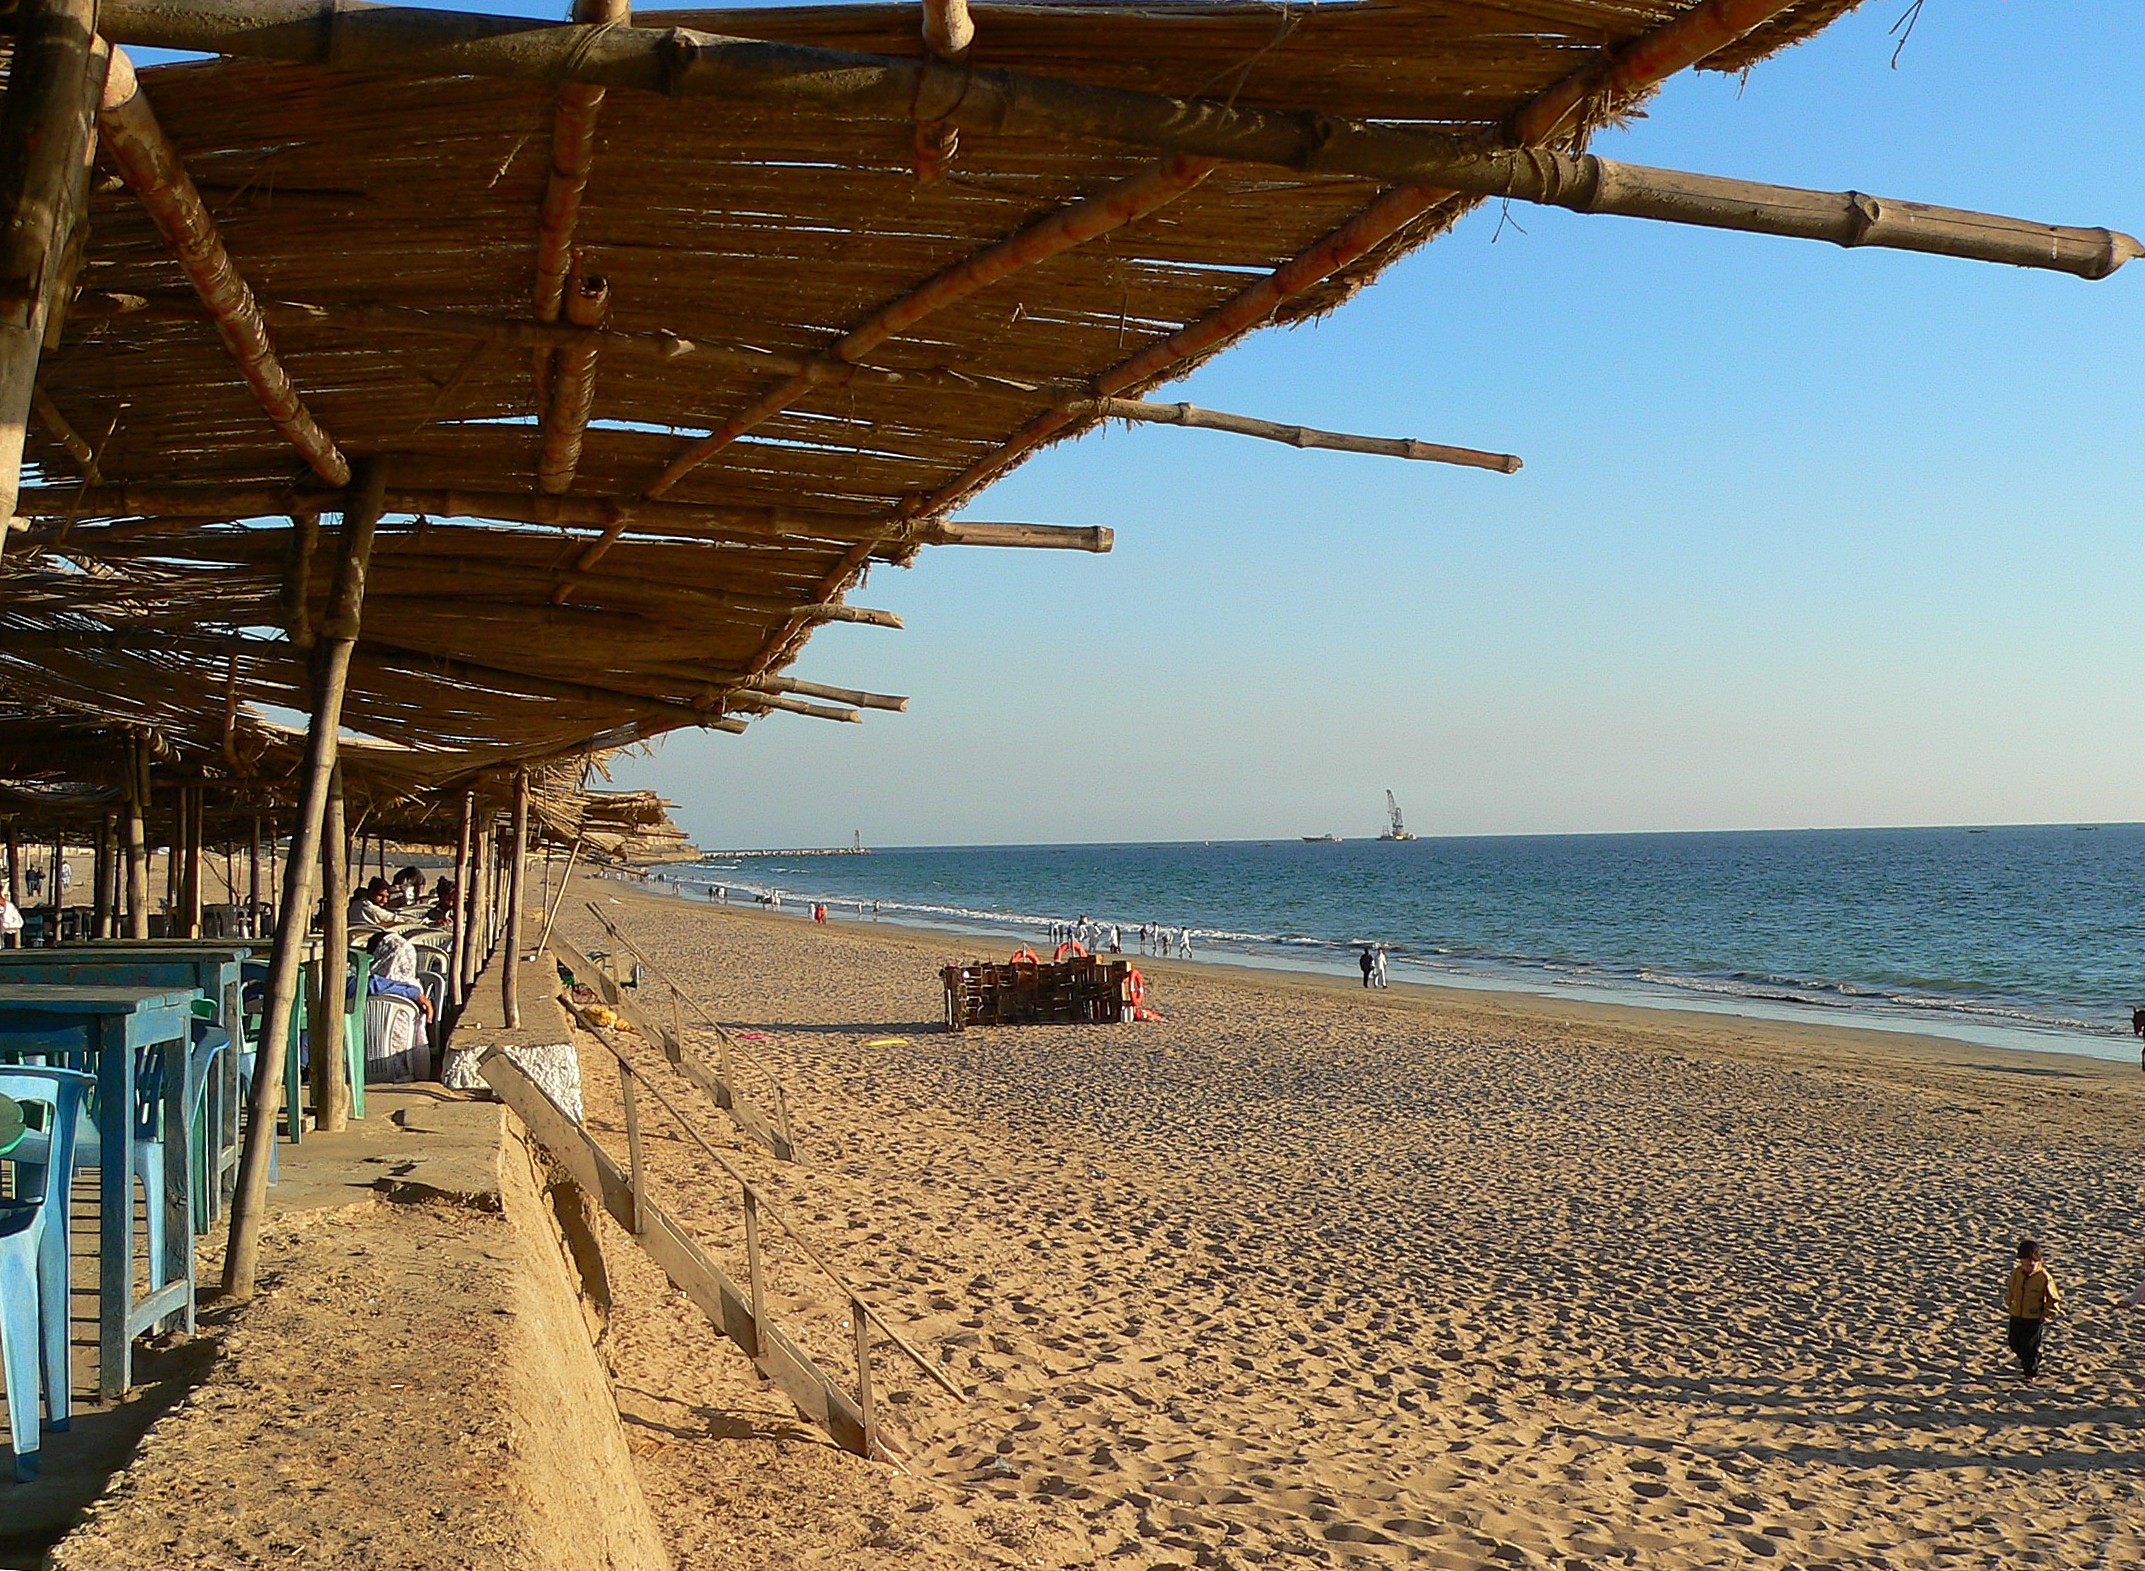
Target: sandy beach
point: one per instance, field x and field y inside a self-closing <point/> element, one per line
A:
<point x="1305" y="1274"/>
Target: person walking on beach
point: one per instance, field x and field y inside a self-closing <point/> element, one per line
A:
<point x="2030" y="1300"/>
<point x="1379" y="968"/>
<point x="2137" y="1029"/>
<point x="1184" y="943"/>
<point x="1369" y="963"/>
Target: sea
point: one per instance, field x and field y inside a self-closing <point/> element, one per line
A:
<point x="2007" y="936"/>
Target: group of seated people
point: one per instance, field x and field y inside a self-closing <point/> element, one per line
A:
<point x="388" y="908"/>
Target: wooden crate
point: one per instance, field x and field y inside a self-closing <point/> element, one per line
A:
<point x="1084" y="990"/>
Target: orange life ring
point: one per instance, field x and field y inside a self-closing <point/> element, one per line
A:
<point x="1070" y="949"/>
<point x="1135" y="987"/>
<point x="1024" y="957"/>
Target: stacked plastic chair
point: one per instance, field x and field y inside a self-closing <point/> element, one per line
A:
<point x="35" y="1276"/>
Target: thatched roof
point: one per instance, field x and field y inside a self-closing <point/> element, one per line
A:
<point x="736" y="239"/>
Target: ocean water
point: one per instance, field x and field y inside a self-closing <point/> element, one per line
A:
<point x="2028" y="936"/>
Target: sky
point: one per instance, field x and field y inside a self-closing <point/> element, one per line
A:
<point x="1805" y="537"/>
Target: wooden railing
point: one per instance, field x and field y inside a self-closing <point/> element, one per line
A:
<point x="769" y="1123"/>
<point x="740" y="1313"/>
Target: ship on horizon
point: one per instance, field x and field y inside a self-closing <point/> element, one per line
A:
<point x="1394" y="829"/>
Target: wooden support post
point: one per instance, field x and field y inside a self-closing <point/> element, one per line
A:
<point x="137" y="801"/>
<point x="191" y="916"/>
<point x="458" y="950"/>
<point x="253" y="877"/>
<point x="517" y="867"/>
<point x="57" y="897"/>
<point x="331" y="1062"/>
<point x="104" y="919"/>
<point x="14" y="876"/>
<point x="55" y="75"/>
<point x="242" y="1261"/>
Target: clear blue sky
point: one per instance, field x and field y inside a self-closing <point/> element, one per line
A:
<point x="1805" y="536"/>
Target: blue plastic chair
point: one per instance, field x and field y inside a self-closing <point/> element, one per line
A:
<point x="35" y="1278"/>
<point x="204" y="1093"/>
<point x="145" y="1160"/>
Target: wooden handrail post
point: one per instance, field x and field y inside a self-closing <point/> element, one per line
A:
<point x="242" y="1261"/>
<point x="633" y="1145"/>
<point x="755" y="1275"/>
<point x="331" y="1063"/>
<point x="677" y="1027"/>
<point x="862" y="1322"/>
<point x="458" y="947"/>
<point x="551" y="915"/>
<point x="517" y="867"/>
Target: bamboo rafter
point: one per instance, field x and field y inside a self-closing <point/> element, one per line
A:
<point x="1623" y="74"/>
<point x="151" y="166"/>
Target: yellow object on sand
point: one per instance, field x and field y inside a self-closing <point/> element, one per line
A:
<point x="888" y="1041"/>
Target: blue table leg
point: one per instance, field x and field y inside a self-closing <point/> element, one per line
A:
<point x="115" y="1207"/>
<point x="178" y="1262"/>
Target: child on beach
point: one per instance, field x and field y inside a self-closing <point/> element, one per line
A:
<point x="2031" y="1300"/>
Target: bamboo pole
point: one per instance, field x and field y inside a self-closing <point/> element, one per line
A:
<point x="459" y="933"/>
<point x="573" y="155"/>
<point x="1043" y="537"/>
<point x="55" y="73"/>
<point x="839" y="695"/>
<point x="517" y="868"/>
<point x="63" y="430"/>
<point x="242" y="1261"/>
<point x="948" y="31"/>
<point x="137" y="802"/>
<point x="153" y="169"/>
<point x="572" y="383"/>
<point x="1125" y="203"/>
<point x="746" y="698"/>
<point x="356" y="35"/>
<point x="1145" y="411"/>
<point x="331" y="1063"/>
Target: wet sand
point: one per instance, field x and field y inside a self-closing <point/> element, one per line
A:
<point x="1305" y="1274"/>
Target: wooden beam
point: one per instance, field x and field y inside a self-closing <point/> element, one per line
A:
<point x="359" y="35"/>
<point x="839" y="695"/>
<point x="339" y="639"/>
<point x="153" y="169"/>
<point x="47" y="118"/>
<point x="571" y="379"/>
<point x="1142" y="410"/>
<point x="573" y="156"/>
<point x="64" y="432"/>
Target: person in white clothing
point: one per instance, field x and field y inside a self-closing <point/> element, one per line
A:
<point x="1380" y="973"/>
<point x="1184" y="943"/>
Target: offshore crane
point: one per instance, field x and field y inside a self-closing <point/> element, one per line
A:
<point x="1395" y="829"/>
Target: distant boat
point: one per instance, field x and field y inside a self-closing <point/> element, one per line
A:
<point x="1395" y="829"/>
<point x="1322" y="840"/>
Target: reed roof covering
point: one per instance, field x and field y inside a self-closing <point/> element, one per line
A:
<point x="735" y="238"/>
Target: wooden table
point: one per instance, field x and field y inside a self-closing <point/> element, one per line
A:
<point x="105" y="1025"/>
<point x="11" y="1124"/>
<point x="212" y="965"/>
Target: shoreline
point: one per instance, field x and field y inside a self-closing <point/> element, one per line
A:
<point x="1579" y="1002"/>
